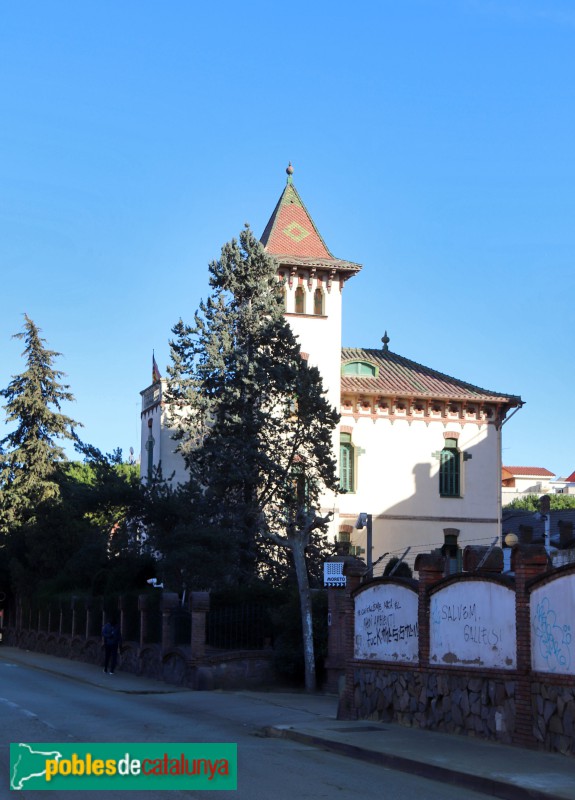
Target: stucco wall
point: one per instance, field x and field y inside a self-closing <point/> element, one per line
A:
<point x="397" y="481"/>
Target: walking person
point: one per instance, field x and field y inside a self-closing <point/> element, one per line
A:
<point x="112" y="639"/>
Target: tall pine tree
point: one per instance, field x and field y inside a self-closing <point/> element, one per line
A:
<point x="252" y="420"/>
<point x="31" y="452"/>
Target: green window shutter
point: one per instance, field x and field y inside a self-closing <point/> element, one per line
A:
<point x="346" y="453"/>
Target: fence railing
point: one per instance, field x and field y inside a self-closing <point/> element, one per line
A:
<point x="147" y="619"/>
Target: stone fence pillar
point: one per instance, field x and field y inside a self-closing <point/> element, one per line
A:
<point x="199" y="607"/>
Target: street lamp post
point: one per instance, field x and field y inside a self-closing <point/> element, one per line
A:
<point x="365" y="521"/>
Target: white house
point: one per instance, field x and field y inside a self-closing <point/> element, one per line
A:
<point x="419" y="451"/>
<point x="518" y="482"/>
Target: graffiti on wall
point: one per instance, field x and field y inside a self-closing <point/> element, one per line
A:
<point x="552" y="607"/>
<point x="473" y="624"/>
<point x="386" y="625"/>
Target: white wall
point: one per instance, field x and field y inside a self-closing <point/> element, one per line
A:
<point x="397" y="481"/>
<point x="386" y="624"/>
<point x="320" y="337"/>
<point x="552" y="643"/>
<point x="164" y="447"/>
<point x="473" y="625"/>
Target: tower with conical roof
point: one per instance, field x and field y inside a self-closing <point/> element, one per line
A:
<point x="313" y="283"/>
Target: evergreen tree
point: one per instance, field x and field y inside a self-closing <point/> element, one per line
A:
<point x="252" y="421"/>
<point x="531" y="502"/>
<point x="31" y="453"/>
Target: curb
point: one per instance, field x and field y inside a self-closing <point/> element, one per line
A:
<point x="478" y="783"/>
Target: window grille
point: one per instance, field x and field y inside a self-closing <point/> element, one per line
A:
<point x="450" y="470"/>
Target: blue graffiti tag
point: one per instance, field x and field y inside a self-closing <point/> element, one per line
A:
<point x="554" y="640"/>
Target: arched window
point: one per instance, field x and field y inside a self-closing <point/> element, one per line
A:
<point x="361" y="368"/>
<point x="346" y="463"/>
<point x="318" y="302"/>
<point x="299" y="300"/>
<point x="450" y="470"/>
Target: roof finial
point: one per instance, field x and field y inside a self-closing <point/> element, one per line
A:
<point x="289" y="170"/>
<point x="385" y="340"/>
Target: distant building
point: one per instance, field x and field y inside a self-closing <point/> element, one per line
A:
<point x="419" y="451"/>
<point x="518" y="482"/>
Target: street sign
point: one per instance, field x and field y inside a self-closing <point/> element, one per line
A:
<point x="333" y="574"/>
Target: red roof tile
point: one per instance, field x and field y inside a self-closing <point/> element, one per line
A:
<point x="401" y="377"/>
<point x="292" y="237"/>
<point x="530" y="472"/>
<point x="571" y="478"/>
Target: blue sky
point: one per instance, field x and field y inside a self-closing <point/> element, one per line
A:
<point x="432" y="141"/>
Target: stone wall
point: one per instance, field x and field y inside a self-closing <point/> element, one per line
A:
<point x="449" y="702"/>
<point x="553" y="708"/>
<point x="224" y="670"/>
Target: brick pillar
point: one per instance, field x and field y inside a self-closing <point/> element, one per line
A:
<point x="144" y="609"/>
<point x="169" y="601"/>
<point x="340" y="610"/>
<point x="527" y="561"/>
<point x="431" y="567"/>
<point x="490" y="559"/>
<point x="199" y="607"/>
<point x="341" y="638"/>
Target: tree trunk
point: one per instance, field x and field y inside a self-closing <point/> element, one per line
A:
<point x="298" y="550"/>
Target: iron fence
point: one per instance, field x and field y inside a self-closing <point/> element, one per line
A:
<point x="242" y="627"/>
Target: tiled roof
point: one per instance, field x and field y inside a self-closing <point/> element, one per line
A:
<point x="529" y="472"/>
<point x="291" y="236"/>
<point x="571" y="478"/>
<point x="401" y="377"/>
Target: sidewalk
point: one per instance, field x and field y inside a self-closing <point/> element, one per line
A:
<point x="497" y="770"/>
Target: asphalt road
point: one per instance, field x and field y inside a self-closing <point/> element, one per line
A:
<point x="36" y="706"/>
